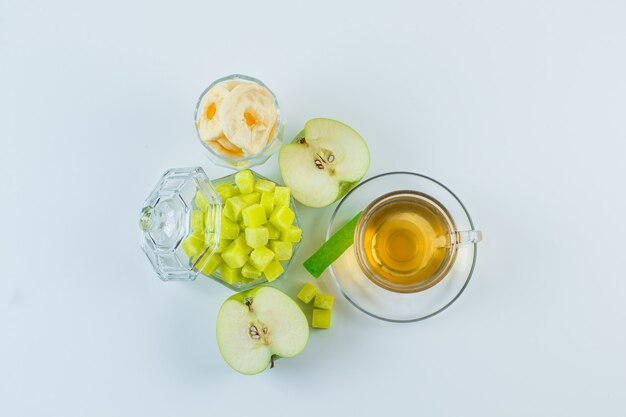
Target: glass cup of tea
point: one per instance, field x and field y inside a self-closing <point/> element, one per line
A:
<point x="406" y="241"/>
<point x="414" y="247"/>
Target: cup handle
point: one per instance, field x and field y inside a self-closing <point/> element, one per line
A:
<point x="466" y="237"/>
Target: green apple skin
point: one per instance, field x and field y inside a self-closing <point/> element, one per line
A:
<point x="247" y="298"/>
<point x="343" y="186"/>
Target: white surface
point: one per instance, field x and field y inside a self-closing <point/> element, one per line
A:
<point x="519" y="108"/>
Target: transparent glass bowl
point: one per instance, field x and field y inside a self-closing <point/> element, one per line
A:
<point x="166" y="223"/>
<point x="248" y="161"/>
<point x="381" y="303"/>
<point x="230" y="179"/>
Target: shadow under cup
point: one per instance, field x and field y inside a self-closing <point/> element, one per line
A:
<point x="405" y="241"/>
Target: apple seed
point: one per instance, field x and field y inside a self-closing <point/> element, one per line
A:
<point x="254" y="333"/>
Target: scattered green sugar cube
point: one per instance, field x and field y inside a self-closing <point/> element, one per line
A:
<point x="226" y="191"/>
<point x="282" y="196"/>
<point x="201" y="201"/>
<point x="256" y="236"/>
<point x="282" y="250"/>
<point x="273" y="232"/>
<point x="248" y="271"/>
<point x="254" y="216"/>
<point x="197" y="220"/>
<point x="307" y="293"/>
<point x="273" y="271"/>
<point x="194" y="244"/>
<point x="267" y="201"/>
<point x="261" y="257"/>
<point x="211" y="265"/>
<point x="228" y="229"/>
<point x="245" y="181"/>
<point x="233" y="207"/>
<point x="250" y="199"/>
<point x="323" y="301"/>
<point x="264" y="186"/>
<point x="292" y="234"/>
<point x="236" y="254"/>
<point x="282" y="217"/>
<point x="230" y="275"/>
<point x="321" y="319"/>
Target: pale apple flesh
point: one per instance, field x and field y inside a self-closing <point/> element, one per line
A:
<point x="257" y="326"/>
<point x="325" y="160"/>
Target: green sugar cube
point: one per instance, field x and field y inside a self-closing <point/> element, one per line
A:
<point x="261" y="257"/>
<point x="194" y="244"/>
<point x="256" y="236"/>
<point x="210" y="238"/>
<point x="250" y="199"/>
<point x="201" y="201"/>
<point x="292" y="234"/>
<point x="264" y="186"/>
<point x="282" y="250"/>
<point x="282" y="196"/>
<point x="245" y="181"/>
<point x="226" y="191"/>
<point x="273" y="271"/>
<point x="321" y="319"/>
<point x="241" y="241"/>
<point x="323" y="301"/>
<point x="236" y="254"/>
<point x="228" y="229"/>
<point x="230" y="275"/>
<point x="267" y="201"/>
<point x="273" y="232"/>
<point x="224" y="243"/>
<point x="211" y="265"/>
<point x="282" y="217"/>
<point x="197" y="220"/>
<point x="250" y="272"/>
<point x="307" y="293"/>
<point x="233" y="207"/>
<point x="254" y="216"/>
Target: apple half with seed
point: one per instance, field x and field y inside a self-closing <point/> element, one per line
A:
<point x="324" y="161"/>
<point x="256" y="327"/>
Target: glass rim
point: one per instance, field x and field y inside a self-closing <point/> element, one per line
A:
<point x="268" y="145"/>
<point x="469" y="275"/>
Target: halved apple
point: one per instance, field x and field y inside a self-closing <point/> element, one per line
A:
<point x="258" y="326"/>
<point x="324" y="161"/>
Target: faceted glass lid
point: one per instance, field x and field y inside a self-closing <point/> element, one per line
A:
<point x="172" y="239"/>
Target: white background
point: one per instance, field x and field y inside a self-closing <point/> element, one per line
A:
<point x="519" y="107"/>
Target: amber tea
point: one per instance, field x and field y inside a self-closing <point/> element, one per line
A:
<point x="403" y="241"/>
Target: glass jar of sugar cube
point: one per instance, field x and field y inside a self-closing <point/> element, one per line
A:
<point x="241" y="230"/>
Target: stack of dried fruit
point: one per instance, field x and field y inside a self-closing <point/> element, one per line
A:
<point x="237" y="118"/>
